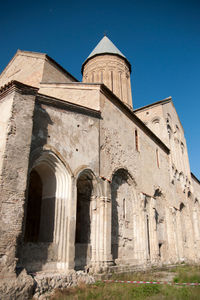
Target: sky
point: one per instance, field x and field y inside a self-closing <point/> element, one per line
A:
<point x="160" y="38"/>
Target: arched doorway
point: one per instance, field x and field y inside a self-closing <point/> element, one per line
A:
<point x="46" y="215"/>
<point x="83" y="220"/>
<point x="41" y="203"/>
<point x="33" y="208"/>
<point x="122" y="216"/>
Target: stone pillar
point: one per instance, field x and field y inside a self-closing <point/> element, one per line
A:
<point x="189" y="231"/>
<point x="179" y="236"/>
<point x="141" y="232"/>
<point x="153" y="233"/>
<point x="106" y="189"/>
<point x="71" y="226"/>
<point x="14" y="173"/>
<point x="97" y="232"/>
<point x="107" y="233"/>
<point x="93" y="229"/>
<point x="103" y="228"/>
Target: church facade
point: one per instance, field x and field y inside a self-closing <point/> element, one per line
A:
<point x="87" y="182"/>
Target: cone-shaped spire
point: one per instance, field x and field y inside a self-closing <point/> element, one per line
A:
<point x="105" y="46"/>
<point x="106" y="64"/>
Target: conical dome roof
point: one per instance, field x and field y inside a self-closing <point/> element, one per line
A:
<point x="105" y="46"/>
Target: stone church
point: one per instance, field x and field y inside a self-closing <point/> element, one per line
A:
<point x="87" y="182"/>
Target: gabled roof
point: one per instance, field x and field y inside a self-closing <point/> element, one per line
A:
<point x="105" y="46"/>
<point x="166" y="100"/>
<point x="161" y="102"/>
<point x="30" y="54"/>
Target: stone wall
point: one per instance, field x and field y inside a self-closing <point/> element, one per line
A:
<point x="5" y="114"/>
<point x="196" y="186"/>
<point x="14" y="175"/>
<point x="163" y="120"/>
<point x="147" y="173"/>
<point x="65" y="141"/>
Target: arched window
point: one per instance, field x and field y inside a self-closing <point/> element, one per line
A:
<point x="124" y="208"/>
<point x="156" y="125"/>
<point x="136" y="140"/>
<point x="182" y="148"/>
<point x="169" y="131"/>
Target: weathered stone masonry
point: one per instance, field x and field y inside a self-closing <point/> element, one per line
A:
<point x="14" y="172"/>
<point x="88" y="183"/>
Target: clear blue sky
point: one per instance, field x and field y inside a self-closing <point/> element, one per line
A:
<point x="161" y="39"/>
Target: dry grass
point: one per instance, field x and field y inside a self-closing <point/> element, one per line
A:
<point x="118" y="291"/>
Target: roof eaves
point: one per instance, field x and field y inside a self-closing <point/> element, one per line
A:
<point x="194" y="177"/>
<point x="49" y="100"/>
<point x="16" y="85"/>
<point x="60" y="67"/>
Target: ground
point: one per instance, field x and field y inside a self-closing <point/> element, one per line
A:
<point x="101" y="290"/>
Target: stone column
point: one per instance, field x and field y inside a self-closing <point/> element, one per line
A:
<point x="71" y="230"/>
<point x="106" y="188"/>
<point x="93" y="229"/>
<point x="141" y="232"/>
<point x="153" y="233"/>
<point x="188" y="228"/>
<point x="196" y="230"/>
<point x="107" y="232"/>
<point x="103" y="227"/>
<point x="179" y="235"/>
<point x="97" y="232"/>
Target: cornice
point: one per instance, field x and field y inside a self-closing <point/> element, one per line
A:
<point x="16" y="86"/>
<point x="63" y="104"/>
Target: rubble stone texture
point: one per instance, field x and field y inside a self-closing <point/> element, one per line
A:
<point x="86" y="182"/>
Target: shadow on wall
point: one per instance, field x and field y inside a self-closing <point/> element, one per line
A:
<point x="83" y="221"/>
<point x="35" y="244"/>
